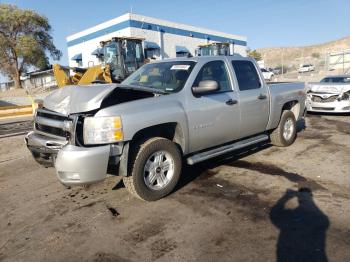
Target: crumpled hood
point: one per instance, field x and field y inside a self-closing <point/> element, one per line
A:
<point x="329" y="88"/>
<point x="76" y="99"/>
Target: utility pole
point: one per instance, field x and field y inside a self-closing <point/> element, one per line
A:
<point x="282" y="62"/>
<point x="302" y="56"/>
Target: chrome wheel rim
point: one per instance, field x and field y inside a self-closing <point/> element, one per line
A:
<point x="158" y="170"/>
<point x="288" y="129"/>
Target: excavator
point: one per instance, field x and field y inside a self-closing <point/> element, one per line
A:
<point x="120" y="57"/>
<point x="213" y="49"/>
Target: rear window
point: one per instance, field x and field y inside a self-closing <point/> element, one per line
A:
<point x="246" y="74"/>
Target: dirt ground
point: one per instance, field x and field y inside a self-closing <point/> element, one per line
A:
<point x="263" y="204"/>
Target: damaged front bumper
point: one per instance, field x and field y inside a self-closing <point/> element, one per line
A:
<point x="44" y="149"/>
<point x="322" y="105"/>
<point x="74" y="165"/>
<point x="82" y="165"/>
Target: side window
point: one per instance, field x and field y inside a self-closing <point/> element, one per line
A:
<point x="215" y="70"/>
<point x="246" y="74"/>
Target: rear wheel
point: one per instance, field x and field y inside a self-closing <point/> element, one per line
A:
<point x="285" y="133"/>
<point x="155" y="169"/>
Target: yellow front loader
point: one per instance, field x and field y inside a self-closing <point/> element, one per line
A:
<point x="82" y="76"/>
<point x="120" y="57"/>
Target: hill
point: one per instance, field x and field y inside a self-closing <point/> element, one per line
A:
<point x="292" y="57"/>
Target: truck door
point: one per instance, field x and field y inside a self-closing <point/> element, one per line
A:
<point x="213" y="118"/>
<point x="253" y="98"/>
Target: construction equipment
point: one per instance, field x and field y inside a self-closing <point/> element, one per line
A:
<point x="213" y="49"/>
<point x="120" y="57"/>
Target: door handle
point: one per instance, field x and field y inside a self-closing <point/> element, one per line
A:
<point x="262" y="96"/>
<point x="231" y="102"/>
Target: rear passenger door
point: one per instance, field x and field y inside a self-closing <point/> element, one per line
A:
<point x="253" y="98"/>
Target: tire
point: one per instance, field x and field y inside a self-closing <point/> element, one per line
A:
<point x="285" y="133"/>
<point x="148" y="162"/>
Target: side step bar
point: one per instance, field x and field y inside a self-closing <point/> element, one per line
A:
<point x="225" y="149"/>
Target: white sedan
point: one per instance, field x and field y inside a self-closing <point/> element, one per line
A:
<point x="267" y="74"/>
<point x="306" y="68"/>
<point x="331" y="95"/>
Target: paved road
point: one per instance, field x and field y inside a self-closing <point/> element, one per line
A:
<point x="264" y="204"/>
<point x="15" y="127"/>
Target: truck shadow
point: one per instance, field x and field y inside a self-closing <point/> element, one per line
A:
<point x="301" y="125"/>
<point x="190" y="173"/>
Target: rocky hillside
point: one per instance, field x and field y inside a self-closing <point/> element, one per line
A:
<point x="294" y="56"/>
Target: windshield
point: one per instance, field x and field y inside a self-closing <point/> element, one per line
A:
<point x="336" y="80"/>
<point x="110" y="53"/>
<point x="166" y="76"/>
<point x="133" y="51"/>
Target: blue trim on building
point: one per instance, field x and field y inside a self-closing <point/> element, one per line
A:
<point x="153" y="27"/>
<point x="99" y="33"/>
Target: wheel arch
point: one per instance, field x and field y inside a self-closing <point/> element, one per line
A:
<point x="170" y="130"/>
<point x="293" y="106"/>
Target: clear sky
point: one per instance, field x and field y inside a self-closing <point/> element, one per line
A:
<point x="266" y="23"/>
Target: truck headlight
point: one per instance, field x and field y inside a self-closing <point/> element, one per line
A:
<point x="102" y="130"/>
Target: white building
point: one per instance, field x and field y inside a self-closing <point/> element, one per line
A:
<point x="165" y="39"/>
<point x="339" y="60"/>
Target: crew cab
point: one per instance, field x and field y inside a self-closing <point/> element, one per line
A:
<point x="330" y="95"/>
<point x="167" y="112"/>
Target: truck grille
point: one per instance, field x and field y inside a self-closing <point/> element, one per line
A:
<point x="51" y="123"/>
<point x="319" y="99"/>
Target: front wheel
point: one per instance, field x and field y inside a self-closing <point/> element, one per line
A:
<point x="155" y="169"/>
<point x="285" y="133"/>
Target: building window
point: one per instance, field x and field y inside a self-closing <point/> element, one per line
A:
<point x="152" y="50"/>
<point x="182" y="51"/>
<point x="78" y="58"/>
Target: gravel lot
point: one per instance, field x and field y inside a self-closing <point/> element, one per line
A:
<point x="264" y="204"/>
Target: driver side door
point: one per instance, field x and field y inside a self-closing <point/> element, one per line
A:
<point x="214" y="118"/>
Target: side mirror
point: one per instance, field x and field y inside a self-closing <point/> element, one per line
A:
<point x="205" y="86"/>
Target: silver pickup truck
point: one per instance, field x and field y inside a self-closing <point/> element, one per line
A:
<point x="167" y="112"/>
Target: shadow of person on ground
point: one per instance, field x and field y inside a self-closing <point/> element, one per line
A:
<point x="302" y="229"/>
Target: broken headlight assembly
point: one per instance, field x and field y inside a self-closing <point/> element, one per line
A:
<point x="102" y="130"/>
<point x="308" y="94"/>
<point x="345" y="96"/>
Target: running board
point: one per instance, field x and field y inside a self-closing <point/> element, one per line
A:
<point x="225" y="149"/>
